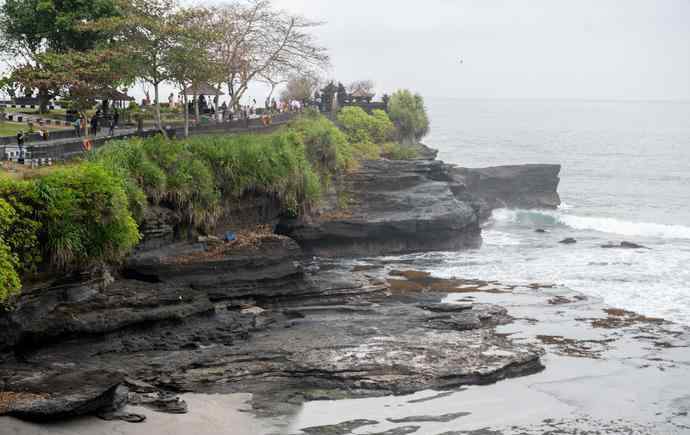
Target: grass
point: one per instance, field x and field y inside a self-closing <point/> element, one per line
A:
<point x="8" y="128"/>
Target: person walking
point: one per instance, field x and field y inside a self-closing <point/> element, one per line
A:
<point x="111" y="130"/>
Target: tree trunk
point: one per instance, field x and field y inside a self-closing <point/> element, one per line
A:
<point x="186" y="115"/>
<point x="196" y="109"/>
<point x="43" y="100"/>
<point x="157" y="110"/>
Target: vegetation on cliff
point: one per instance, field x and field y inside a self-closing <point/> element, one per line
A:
<point x="408" y="113"/>
<point x="194" y="176"/>
<point x="87" y="213"/>
<point x="70" y="219"/>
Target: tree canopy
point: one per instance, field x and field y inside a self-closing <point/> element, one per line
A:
<point x="408" y="113"/>
<point x="30" y="27"/>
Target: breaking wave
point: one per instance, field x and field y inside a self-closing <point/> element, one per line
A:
<point x="600" y="224"/>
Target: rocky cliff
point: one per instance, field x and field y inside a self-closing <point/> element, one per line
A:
<point x="389" y="207"/>
<point x="521" y="186"/>
<point x="258" y="316"/>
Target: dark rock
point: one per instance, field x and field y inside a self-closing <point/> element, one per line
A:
<point x="403" y="430"/>
<point x="389" y="207"/>
<point x="623" y="245"/>
<point x="521" y="186"/>
<point x="44" y="395"/>
<point x="157" y="227"/>
<point x="48" y="313"/>
<point x="445" y="418"/>
<point x="568" y="241"/>
<point x="343" y="428"/>
<point x="122" y="416"/>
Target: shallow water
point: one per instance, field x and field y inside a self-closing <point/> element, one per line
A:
<point x="626" y="176"/>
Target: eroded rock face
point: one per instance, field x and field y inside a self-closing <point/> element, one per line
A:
<point x="520" y="186"/>
<point x="390" y="207"/>
<point x="349" y="339"/>
<point x="40" y="394"/>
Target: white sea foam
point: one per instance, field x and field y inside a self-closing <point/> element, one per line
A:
<point x="600" y="224"/>
<point x="617" y="226"/>
<point x="499" y="238"/>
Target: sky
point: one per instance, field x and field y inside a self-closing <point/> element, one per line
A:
<point x="580" y="49"/>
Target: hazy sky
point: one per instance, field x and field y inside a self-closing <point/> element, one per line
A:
<point x="609" y="49"/>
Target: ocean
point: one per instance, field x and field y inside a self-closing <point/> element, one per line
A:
<point x="625" y="177"/>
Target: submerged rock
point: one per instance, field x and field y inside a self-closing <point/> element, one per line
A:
<point x="344" y="428"/>
<point x="623" y="245"/>
<point x="445" y="418"/>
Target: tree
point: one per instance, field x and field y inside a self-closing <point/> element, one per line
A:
<point x="301" y="87"/>
<point x="82" y="77"/>
<point x="31" y="28"/>
<point x="365" y="85"/>
<point x="258" y="42"/>
<point x="188" y="61"/>
<point x="147" y="30"/>
<point x="408" y="113"/>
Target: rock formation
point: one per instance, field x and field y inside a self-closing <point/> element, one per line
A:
<point x="521" y="186"/>
<point x="388" y="207"/>
<point x="258" y="316"/>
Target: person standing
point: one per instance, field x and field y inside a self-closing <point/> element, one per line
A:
<point x="77" y="127"/>
<point x="94" y="125"/>
<point x="113" y="123"/>
<point x="20" y="145"/>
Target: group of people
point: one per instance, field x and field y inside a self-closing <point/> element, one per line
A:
<point x="97" y="121"/>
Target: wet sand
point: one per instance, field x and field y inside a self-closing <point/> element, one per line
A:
<point x="209" y="415"/>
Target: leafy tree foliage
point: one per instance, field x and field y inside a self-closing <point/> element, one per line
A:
<point x="408" y="113"/>
<point x="361" y="127"/>
<point x="31" y="29"/>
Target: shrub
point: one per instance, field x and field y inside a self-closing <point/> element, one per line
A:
<point x="360" y="127"/>
<point x="9" y="278"/>
<point x="141" y="176"/>
<point x="409" y="115"/>
<point x="326" y="147"/>
<point x="382" y="129"/>
<point x="275" y="164"/>
<point x="86" y="217"/>
<point x="357" y="124"/>
<point x="194" y="175"/>
<point x="21" y="222"/>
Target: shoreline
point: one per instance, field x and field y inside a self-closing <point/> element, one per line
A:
<point x="588" y="347"/>
<point x="300" y="334"/>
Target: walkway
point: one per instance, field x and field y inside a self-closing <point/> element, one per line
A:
<point x="62" y="148"/>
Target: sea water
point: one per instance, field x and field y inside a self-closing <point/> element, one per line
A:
<point x="625" y="177"/>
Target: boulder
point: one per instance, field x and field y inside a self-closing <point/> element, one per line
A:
<point x="45" y="395"/>
<point x="389" y="207"/>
